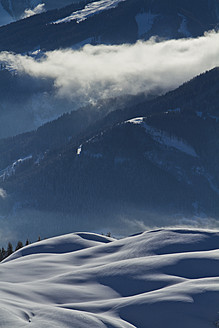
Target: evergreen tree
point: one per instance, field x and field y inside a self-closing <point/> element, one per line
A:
<point x="1" y="256"/>
<point x="9" y="249"/>
<point x="19" y="245"/>
<point x="3" y="251"/>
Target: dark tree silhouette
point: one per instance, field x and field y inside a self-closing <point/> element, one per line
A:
<point x="9" y="249"/>
<point x="19" y="245"/>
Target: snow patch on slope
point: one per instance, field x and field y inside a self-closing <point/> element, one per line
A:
<point x="3" y="193"/>
<point x="175" y="110"/>
<point x="183" y="29"/>
<point x="91" y="9"/>
<point x="40" y="8"/>
<point x="79" y="150"/>
<point x="81" y="44"/>
<point x="164" y="139"/>
<point x="11" y="169"/>
<point x="145" y="22"/>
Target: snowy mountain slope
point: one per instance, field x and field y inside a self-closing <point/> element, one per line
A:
<point x="10" y="170"/>
<point x="108" y="174"/>
<point x="163" y="278"/>
<point x="109" y="22"/>
<point x="91" y="9"/>
<point x="12" y="10"/>
<point x="163" y="141"/>
<point x="124" y="21"/>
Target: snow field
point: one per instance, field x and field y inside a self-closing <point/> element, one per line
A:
<point x="163" y="278"/>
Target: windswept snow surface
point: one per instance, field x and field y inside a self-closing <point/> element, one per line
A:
<point x="164" y="278"/>
<point x="91" y="9"/>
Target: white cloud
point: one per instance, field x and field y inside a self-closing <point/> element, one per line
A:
<point x="106" y="71"/>
<point x="37" y="10"/>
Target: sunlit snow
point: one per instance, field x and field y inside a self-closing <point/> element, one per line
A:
<point x="91" y="9"/>
<point x="40" y="8"/>
<point x="163" y="278"/>
<point x="11" y="169"/>
<point x="79" y="150"/>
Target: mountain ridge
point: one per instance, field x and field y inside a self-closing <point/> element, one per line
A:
<point x="143" y="166"/>
<point x="140" y="20"/>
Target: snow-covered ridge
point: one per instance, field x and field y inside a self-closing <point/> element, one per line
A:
<point x="163" y="138"/>
<point x="11" y="169"/>
<point x="71" y="242"/>
<point x="91" y="9"/>
<point x="38" y="9"/>
<point x="165" y="278"/>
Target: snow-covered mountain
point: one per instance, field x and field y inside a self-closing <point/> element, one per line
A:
<point x="12" y="10"/>
<point x="95" y="168"/>
<point x="110" y="22"/>
<point x="29" y="94"/>
<point x="162" y="278"/>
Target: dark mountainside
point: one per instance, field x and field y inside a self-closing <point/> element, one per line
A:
<point x="200" y="94"/>
<point x="165" y="164"/>
<point x="123" y="24"/>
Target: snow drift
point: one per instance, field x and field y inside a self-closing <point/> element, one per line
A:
<point x="163" y="278"/>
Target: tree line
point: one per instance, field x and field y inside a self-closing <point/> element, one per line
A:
<point x="10" y="250"/>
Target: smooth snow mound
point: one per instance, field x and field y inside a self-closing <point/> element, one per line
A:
<point x="67" y="243"/>
<point x="164" y="278"/>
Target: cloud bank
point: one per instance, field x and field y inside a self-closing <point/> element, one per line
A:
<point x="104" y="71"/>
